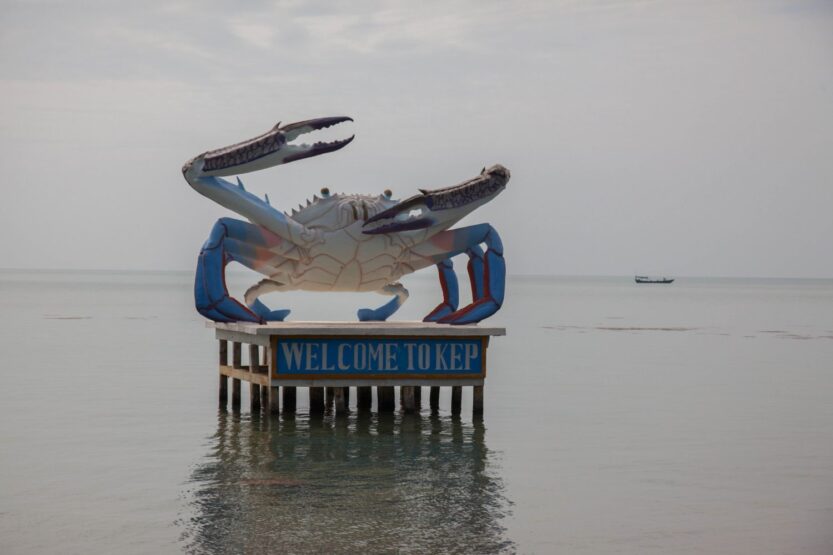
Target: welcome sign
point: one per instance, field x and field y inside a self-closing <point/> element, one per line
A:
<point x="379" y="357"/>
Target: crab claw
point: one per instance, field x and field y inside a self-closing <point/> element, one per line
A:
<point x="412" y="213"/>
<point x="272" y="148"/>
<point x="440" y="206"/>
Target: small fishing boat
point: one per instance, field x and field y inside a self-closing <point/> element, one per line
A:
<point x="648" y="279"/>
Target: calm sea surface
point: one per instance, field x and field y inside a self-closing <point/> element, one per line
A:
<point x="691" y="418"/>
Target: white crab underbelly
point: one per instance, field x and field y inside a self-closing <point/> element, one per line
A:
<point x="346" y="260"/>
<point x="326" y="273"/>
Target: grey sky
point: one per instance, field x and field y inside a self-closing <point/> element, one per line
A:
<point x="687" y="138"/>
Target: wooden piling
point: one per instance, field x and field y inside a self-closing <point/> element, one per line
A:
<point x="386" y="398"/>
<point x="340" y="395"/>
<point x="418" y="397"/>
<point x="223" y="391"/>
<point x="273" y="393"/>
<point x="274" y="403"/>
<point x="223" y="356"/>
<point x="477" y="400"/>
<point x="254" y="368"/>
<point x="223" y="352"/>
<point x="316" y="400"/>
<point x="264" y="397"/>
<point x="289" y="396"/>
<point x="254" y="359"/>
<point x="456" y="399"/>
<point x="364" y="398"/>
<point x="408" y="399"/>
<point x="236" y="355"/>
<point x="254" y="397"/>
<point x="435" y="398"/>
<point x="235" y="394"/>
<point x="254" y="389"/>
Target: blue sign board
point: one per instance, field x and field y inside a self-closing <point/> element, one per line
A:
<point x="377" y="357"/>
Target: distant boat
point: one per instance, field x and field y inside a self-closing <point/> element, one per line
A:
<point x="648" y="279"/>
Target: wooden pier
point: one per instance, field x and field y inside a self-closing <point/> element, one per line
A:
<point x="328" y="359"/>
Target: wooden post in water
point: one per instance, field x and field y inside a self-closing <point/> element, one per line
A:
<point x="340" y="400"/>
<point x="386" y="398"/>
<point x="223" y="377"/>
<point x="418" y="397"/>
<point x="236" y="362"/>
<point x="254" y="397"/>
<point x="289" y="396"/>
<point x="273" y="404"/>
<point x="223" y="391"/>
<point x="223" y="352"/>
<point x="236" y="354"/>
<point x="477" y="402"/>
<point x="408" y="399"/>
<point x="364" y="398"/>
<point x="435" y="398"/>
<point x="456" y="399"/>
<point x="316" y="400"/>
<point x="235" y="394"/>
<point x="254" y="368"/>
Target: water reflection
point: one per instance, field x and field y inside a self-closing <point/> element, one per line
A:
<point x="367" y="483"/>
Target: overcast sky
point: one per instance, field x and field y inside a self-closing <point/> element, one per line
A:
<point x="682" y="138"/>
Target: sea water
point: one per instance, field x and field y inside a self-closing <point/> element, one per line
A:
<point x="619" y="418"/>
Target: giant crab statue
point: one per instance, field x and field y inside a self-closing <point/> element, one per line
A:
<point x="340" y="242"/>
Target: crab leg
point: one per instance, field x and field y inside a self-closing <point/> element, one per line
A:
<point x="233" y="240"/>
<point x="451" y="291"/>
<point x="487" y="271"/>
<point x="386" y="310"/>
<point x="261" y="288"/>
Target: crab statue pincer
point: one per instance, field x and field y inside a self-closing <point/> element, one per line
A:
<point x="340" y="242"/>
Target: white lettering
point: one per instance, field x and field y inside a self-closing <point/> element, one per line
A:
<point x="312" y="356"/>
<point x="441" y="363"/>
<point x="410" y="347"/>
<point x="471" y="354"/>
<point x="292" y="353"/>
<point x="456" y="356"/>
<point x="375" y="354"/>
<point x="342" y="364"/>
<point x="424" y="356"/>
<point x="390" y="357"/>
<point x="360" y="356"/>
<point x="324" y="352"/>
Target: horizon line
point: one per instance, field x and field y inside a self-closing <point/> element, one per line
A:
<point x="514" y="275"/>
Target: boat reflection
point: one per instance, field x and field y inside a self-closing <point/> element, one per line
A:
<point x="368" y="483"/>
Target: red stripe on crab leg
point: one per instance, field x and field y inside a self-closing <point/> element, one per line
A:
<point x="451" y="294"/>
